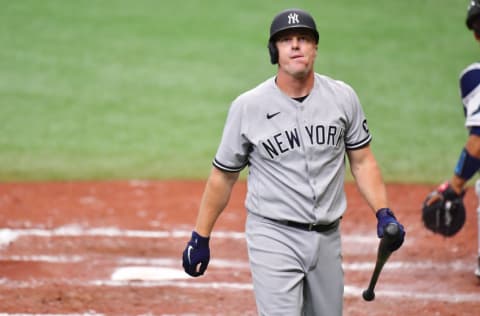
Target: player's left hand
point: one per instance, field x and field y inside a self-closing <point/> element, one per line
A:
<point x="385" y="216"/>
<point x="196" y="255"/>
<point x="445" y="192"/>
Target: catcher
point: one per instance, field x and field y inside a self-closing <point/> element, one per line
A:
<point x="443" y="209"/>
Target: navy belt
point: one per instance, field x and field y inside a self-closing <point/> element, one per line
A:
<point x="319" y="228"/>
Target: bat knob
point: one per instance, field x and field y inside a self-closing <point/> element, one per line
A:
<point x="392" y="230"/>
<point x="368" y="295"/>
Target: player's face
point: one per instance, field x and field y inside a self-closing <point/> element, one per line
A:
<point x="297" y="51"/>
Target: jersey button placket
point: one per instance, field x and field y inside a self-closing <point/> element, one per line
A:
<point x="309" y="156"/>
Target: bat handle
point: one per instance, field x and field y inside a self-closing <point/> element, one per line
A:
<point x="390" y="234"/>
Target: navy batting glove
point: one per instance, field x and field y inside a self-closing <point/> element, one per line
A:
<point x="385" y="216"/>
<point x="196" y="255"/>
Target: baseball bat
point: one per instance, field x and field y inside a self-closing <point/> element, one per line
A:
<point x="390" y="234"/>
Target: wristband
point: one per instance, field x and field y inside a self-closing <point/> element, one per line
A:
<point x="475" y="130"/>
<point x="383" y="212"/>
<point x="199" y="241"/>
<point x="467" y="165"/>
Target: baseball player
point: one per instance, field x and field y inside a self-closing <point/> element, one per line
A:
<point x="446" y="202"/>
<point x="293" y="132"/>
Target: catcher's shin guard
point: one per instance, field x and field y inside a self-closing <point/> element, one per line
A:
<point x="477" y="190"/>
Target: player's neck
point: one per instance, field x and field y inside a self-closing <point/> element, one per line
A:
<point x="295" y="86"/>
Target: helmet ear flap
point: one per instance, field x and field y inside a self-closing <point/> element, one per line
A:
<point x="272" y="49"/>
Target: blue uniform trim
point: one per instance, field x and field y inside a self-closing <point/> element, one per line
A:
<point x="475" y="130"/>
<point x="469" y="81"/>
<point x="226" y="168"/>
<point x="467" y="165"/>
<point x="364" y="142"/>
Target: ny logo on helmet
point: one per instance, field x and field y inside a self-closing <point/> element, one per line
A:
<point x="293" y="18"/>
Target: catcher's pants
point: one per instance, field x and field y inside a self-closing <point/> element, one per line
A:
<point x="295" y="272"/>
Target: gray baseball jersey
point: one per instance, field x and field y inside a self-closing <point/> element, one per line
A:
<point x="295" y="150"/>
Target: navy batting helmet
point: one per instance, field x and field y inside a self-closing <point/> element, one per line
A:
<point x="473" y="12"/>
<point x="289" y="19"/>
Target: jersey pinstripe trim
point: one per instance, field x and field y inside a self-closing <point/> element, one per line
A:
<point x="223" y="167"/>
<point x="359" y="144"/>
<point x="470" y="91"/>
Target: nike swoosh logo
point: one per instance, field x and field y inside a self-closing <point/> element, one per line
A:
<point x="269" y="116"/>
<point x="188" y="254"/>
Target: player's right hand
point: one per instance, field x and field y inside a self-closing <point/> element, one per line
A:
<point x="196" y="255"/>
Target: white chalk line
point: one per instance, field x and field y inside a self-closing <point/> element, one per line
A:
<point x="137" y="273"/>
<point x="8" y="235"/>
<point x="349" y="290"/>
<point x="457" y="265"/>
<point x="155" y="276"/>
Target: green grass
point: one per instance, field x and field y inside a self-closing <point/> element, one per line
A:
<point x="140" y="89"/>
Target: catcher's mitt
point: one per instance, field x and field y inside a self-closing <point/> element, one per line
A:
<point x="443" y="211"/>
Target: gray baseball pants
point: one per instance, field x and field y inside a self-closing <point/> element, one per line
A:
<point x="294" y="271"/>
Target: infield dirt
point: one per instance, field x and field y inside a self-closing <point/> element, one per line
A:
<point x="63" y="241"/>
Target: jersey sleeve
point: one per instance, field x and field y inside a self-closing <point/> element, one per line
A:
<point x="470" y="93"/>
<point x="357" y="134"/>
<point x="232" y="153"/>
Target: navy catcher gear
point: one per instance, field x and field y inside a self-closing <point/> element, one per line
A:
<point x="443" y="211"/>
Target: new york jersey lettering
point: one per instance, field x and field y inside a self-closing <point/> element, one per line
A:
<point x="280" y="143"/>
